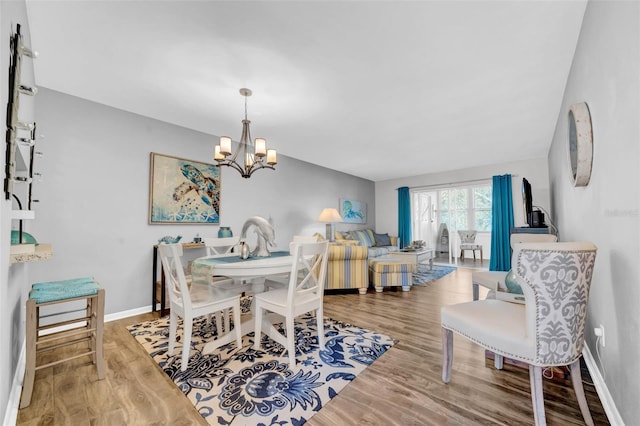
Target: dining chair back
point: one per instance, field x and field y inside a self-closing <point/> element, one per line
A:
<point x="189" y="303"/>
<point x="303" y="294"/>
<point x="216" y="246"/>
<point x="220" y="245"/>
<point x="282" y="280"/>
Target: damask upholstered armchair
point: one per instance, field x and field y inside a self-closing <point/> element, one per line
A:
<point x="547" y="330"/>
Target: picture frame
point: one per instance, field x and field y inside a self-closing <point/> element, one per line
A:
<point x="183" y="191"/>
<point x="353" y="211"/>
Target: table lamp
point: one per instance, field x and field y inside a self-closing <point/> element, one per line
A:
<point x="330" y="216"/>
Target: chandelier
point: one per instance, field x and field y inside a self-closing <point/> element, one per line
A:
<point x="252" y="154"/>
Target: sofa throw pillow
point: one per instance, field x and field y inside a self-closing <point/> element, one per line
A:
<point x="382" y="240"/>
<point x="364" y="237"/>
<point x="342" y="235"/>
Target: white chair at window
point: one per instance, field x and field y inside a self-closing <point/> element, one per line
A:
<point x="546" y="331"/>
<point x="303" y="294"/>
<point x="468" y="242"/>
<point x="189" y="303"/>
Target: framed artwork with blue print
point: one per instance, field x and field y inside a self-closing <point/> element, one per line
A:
<point x="183" y="191"/>
<point x="353" y="211"/>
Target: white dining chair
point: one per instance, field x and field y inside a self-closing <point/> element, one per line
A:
<point x="546" y="331"/>
<point x="282" y="280"/>
<point x="303" y="294"/>
<point x="220" y="245"/>
<point x="189" y="303"/>
<point x="215" y="246"/>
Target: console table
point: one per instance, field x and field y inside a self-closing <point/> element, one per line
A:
<point x="154" y="293"/>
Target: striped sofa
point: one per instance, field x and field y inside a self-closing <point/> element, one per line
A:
<point x="347" y="267"/>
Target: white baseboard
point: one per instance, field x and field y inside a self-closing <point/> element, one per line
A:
<point x="13" y="404"/>
<point x="11" y="413"/>
<point x="126" y="314"/>
<point x="601" y="389"/>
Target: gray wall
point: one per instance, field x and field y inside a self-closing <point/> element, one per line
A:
<point x="14" y="277"/>
<point x="605" y="74"/>
<point x="94" y="197"/>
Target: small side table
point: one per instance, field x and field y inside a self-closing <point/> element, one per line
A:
<point x="416" y="257"/>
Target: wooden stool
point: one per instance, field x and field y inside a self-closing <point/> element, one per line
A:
<point x="50" y="293"/>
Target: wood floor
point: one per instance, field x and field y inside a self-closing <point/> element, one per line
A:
<point x="403" y="387"/>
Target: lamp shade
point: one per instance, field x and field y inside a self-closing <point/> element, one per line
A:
<point x="329" y="216"/>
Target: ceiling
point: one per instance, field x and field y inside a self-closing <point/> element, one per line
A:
<point x="376" y="89"/>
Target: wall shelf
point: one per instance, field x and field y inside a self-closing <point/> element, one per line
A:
<point x="43" y="252"/>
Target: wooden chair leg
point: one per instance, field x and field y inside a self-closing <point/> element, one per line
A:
<point x="481" y="260"/>
<point x="187" y="328"/>
<point x="237" y="324"/>
<point x="173" y="330"/>
<point x="447" y="354"/>
<point x="92" y="325"/>
<point x="576" y="378"/>
<point x="99" y="339"/>
<point x="291" y="340"/>
<point x="218" y="317"/>
<point x="498" y="361"/>
<point x="257" y="312"/>
<point x="320" y="325"/>
<point x="30" y="367"/>
<point x="537" y="397"/>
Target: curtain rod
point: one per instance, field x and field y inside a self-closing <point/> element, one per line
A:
<point x="461" y="182"/>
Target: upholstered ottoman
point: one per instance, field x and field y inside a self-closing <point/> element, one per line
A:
<point x="386" y="272"/>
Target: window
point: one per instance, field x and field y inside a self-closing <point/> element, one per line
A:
<point x="482" y="208"/>
<point x="465" y="207"/>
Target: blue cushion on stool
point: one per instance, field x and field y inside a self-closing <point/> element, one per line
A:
<point x="62" y="283"/>
<point x="61" y="290"/>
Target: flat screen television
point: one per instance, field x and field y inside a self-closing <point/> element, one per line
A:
<point x="534" y="218"/>
<point x="527" y="201"/>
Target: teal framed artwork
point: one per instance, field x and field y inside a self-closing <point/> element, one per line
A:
<point x="183" y="191"/>
<point x="353" y="211"/>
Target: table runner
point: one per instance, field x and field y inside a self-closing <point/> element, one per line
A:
<point x="236" y="259"/>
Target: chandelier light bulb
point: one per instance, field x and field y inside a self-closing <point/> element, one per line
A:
<point x="261" y="147"/>
<point x="225" y="145"/>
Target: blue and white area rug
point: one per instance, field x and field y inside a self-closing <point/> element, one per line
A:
<point x="425" y="275"/>
<point x="256" y="387"/>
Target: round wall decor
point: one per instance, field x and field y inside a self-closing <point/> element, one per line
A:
<point x="580" y="144"/>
